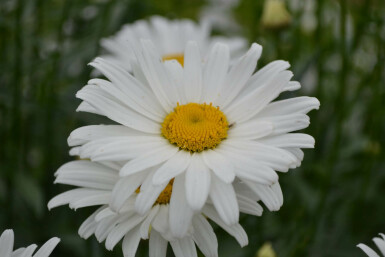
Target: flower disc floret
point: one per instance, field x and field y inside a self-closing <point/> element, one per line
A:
<point x="178" y="57"/>
<point x="195" y="127"/>
<point x="165" y="196"/>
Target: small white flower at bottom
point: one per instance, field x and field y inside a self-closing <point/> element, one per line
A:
<point x="112" y="227"/>
<point x="379" y="241"/>
<point x="97" y="183"/>
<point x="6" y="247"/>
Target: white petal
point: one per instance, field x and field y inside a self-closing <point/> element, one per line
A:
<point x="86" y="107"/>
<point x="160" y="222"/>
<point x="172" y="168"/>
<point x="224" y="200"/>
<point x="105" y="213"/>
<point x="264" y="76"/>
<point x="92" y="200"/>
<point x="253" y="129"/>
<point x="249" y="206"/>
<point x="27" y="252"/>
<point x="215" y="71"/>
<point x="6" y="243"/>
<point x="219" y="165"/>
<point x="47" y="248"/>
<point x="127" y="88"/>
<point x="88" y="226"/>
<point x="369" y="252"/>
<point x="147" y="196"/>
<point x="184" y="247"/>
<point x="238" y="76"/>
<point x="148" y="160"/>
<point x="79" y="194"/>
<point x="158" y="246"/>
<point x="87" y="174"/>
<point x="197" y="183"/>
<point x="235" y="230"/>
<point x="131" y="242"/>
<point x="121" y="148"/>
<point x="302" y="105"/>
<point x="124" y="188"/>
<point x="192" y="73"/>
<point x="380" y="244"/>
<point x="121" y="229"/>
<point x="156" y="75"/>
<point x="245" y="108"/>
<point x="204" y="236"/>
<point x="115" y="110"/>
<point x="180" y="213"/>
<point x="85" y="134"/>
<point x="176" y="73"/>
<point x="134" y="102"/>
<point x="292" y="86"/>
<point x="105" y="226"/>
<point x="271" y="196"/>
<point x="275" y="157"/>
<point x="249" y="168"/>
<point x="297" y="140"/>
<point x="145" y="227"/>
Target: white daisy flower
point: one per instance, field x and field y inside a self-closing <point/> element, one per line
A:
<point x="380" y="243"/>
<point x="205" y="120"/>
<point x="6" y="247"/>
<point x="168" y="218"/>
<point x="169" y="37"/>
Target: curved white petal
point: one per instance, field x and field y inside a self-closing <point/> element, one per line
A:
<point x="239" y="74"/>
<point x="172" y="167"/>
<point x="235" y="230"/>
<point x="204" y="236"/>
<point x="118" y="232"/>
<point x="245" y="108"/>
<point x="301" y="105"/>
<point x="221" y="167"/>
<point x="197" y="183"/>
<point x="184" y="247"/>
<point x="224" y="199"/>
<point x="180" y="214"/>
<point x="251" y="129"/>
<point x="87" y="174"/>
<point x="297" y="140"/>
<point x="214" y="72"/>
<point x="116" y="111"/>
<point x="369" y="252"/>
<point x="6" y="243"/>
<point x="124" y="188"/>
<point x="47" y="248"/>
<point x="88" y="226"/>
<point x="157" y="245"/>
<point x="192" y="73"/>
<point x="149" y="159"/>
<point x="131" y="242"/>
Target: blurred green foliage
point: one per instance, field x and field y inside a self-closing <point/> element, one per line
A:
<point x="337" y="50"/>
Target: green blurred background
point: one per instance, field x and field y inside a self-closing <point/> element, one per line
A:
<point x="337" y="50"/>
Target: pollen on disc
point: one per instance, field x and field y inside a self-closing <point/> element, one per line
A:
<point x="195" y="127"/>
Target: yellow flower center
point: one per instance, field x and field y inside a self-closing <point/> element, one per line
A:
<point x="195" y="127"/>
<point x="178" y="57"/>
<point x="165" y="196"/>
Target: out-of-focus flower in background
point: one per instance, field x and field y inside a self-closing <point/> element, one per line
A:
<point x="219" y="13"/>
<point x="266" y="250"/>
<point x="169" y="38"/>
<point x="7" y="239"/>
<point x="275" y="15"/>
